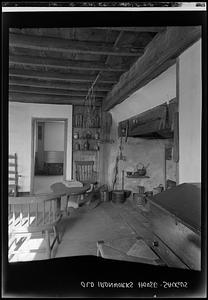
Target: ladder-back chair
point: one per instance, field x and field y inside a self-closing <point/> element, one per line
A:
<point x="33" y="214"/>
<point x="13" y="175"/>
<point x="85" y="172"/>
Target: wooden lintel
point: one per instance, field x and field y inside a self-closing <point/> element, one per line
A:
<point x="57" y="76"/>
<point x="50" y="91"/>
<point x="34" y="98"/>
<point x="64" y="63"/>
<point x="36" y="42"/>
<point x="160" y="53"/>
<point x="84" y="86"/>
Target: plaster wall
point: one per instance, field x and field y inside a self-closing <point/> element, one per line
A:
<point x="20" y="135"/>
<point x="160" y="90"/>
<point x="190" y="105"/>
<point x="54" y="136"/>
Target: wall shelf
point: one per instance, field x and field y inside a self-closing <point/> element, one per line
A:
<point x="90" y="139"/>
<point x="86" y="128"/>
<point x="86" y="150"/>
<point x="136" y="176"/>
<point x="85" y="140"/>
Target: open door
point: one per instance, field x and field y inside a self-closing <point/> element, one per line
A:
<point x="49" y="140"/>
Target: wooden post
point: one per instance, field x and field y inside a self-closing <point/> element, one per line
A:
<point x="165" y="173"/>
<point x="28" y="214"/>
<point x="122" y="182"/>
<point x="48" y="247"/>
<point x="56" y="234"/>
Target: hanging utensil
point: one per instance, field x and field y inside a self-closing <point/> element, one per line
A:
<point x="122" y="180"/>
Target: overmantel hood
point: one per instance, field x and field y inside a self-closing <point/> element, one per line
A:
<point x="158" y="122"/>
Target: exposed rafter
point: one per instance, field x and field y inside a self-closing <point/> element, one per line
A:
<point x="34" y="98"/>
<point x="64" y="63"/>
<point x="107" y="59"/>
<point x="63" y="45"/>
<point x="49" y="91"/>
<point x="70" y="63"/>
<point x="58" y="84"/>
<point x="159" y="55"/>
<point x="57" y="76"/>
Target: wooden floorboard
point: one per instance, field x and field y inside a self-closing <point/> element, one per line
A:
<point x="116" y="224"/>
<point x="133" y="219"/>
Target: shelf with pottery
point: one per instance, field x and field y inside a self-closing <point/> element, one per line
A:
<point x="139" y="172"/>
<point x="86" y="144"/>
<point x="88" y="150"/>
<point x="85" y="138"/>
<point x="86" y="135"/>
<point x="84" y="128"/>
<point x="137" y="176"/>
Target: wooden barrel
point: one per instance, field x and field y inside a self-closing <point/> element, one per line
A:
<point x="118" y="196"/>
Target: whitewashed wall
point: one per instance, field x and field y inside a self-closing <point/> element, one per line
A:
<point x="20" y="134"/>
<point x="190" y="105"/>
<point x="158" y="91"/>
<point x="54" y="136"/>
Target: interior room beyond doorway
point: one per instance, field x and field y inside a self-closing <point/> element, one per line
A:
<point x="49" y="137"/>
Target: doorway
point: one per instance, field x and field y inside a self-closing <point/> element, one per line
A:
<point x="49" y="140"/>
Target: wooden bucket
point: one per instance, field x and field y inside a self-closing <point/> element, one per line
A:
<point x="118" y="196"/>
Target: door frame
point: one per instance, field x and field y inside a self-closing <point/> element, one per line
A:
<point x="34" y="121"/>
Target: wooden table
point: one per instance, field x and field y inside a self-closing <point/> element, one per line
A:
<point x="74" y="191"/>
<point x="70" y="192"/>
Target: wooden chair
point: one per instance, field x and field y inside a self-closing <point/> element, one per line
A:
<point x="33" y="214"/>
<point x="13" y="175"/>
<point x="85" y="172"/>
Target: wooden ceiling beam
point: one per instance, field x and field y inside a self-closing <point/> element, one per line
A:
<point x="46" y="99"/>
<point x="159" y="55"/>
<point x="58" y="84"/>
<point x="57" y="76"/>
<point x="65" y="63"/>
<point x="45" y="43"/>
<point x="133" y="29"/>
<point x="107" y="59"/>
<point x="49" y="91"/>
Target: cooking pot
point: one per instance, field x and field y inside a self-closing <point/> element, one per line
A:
<point x="141" y="171"/>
